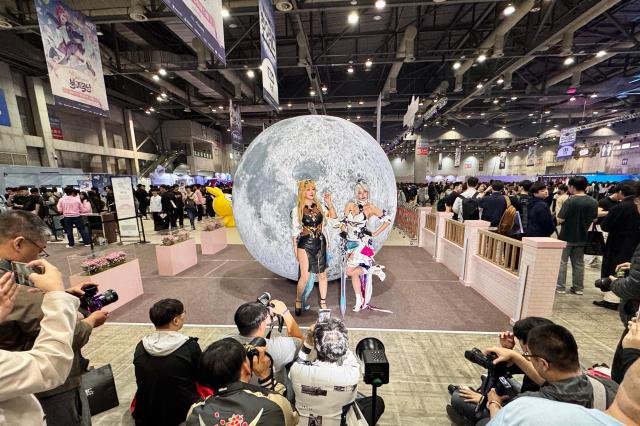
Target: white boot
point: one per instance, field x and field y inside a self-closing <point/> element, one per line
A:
<point x="358" y="305"/>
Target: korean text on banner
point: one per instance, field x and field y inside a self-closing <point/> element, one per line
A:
<point x="72" y="53"/>
<point x="236" y="126"/>
<point x="268" y="53"/>
<point x="204" y="18"/>
<point x="456" y="160"/>
<point x="566" y="145"/>
<point x="125" y="206"/>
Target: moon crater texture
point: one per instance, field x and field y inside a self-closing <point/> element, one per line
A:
<point x="330" y="150"/>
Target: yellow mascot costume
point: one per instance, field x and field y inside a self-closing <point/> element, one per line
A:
<point x="222" y="206"/>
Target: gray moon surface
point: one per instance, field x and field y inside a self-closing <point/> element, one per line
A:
<point x="330" y="150"/>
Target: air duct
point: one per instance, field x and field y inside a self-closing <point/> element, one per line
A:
<point x="241" y="86"/>
<point x="137" y="11"/>
<point x="406" y="52"/>
<point x="303" y="52"/>
<point x="567" y="43"/>
<point x="201" y="53"/>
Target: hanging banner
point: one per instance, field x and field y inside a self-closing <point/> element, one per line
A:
<point x="378" y="117"/>
<point x="532" y="154"/>
<point x="456" y="159"/>
<point x="72" y="53"/>
<point x="422" y="147"/>
<point x="567" y="141"/>
<point x="4" y="111"/>
<point x="440" y="161"/>
<point x="268" y="53"/>
<point x="605" y="150"/>
<point x="125" y="206"/>
<point x="503" y="160"/>
<point x="204" y="18"/>
<point x="235" y="124"/>
<point x="481" y="163"/>
<point x="412" y="110"/>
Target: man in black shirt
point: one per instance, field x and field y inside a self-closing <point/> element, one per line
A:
<point x="168" y="206"/>
<point x="142" y="196"/>
<point x="451" y="198"/>
<point x="493" y="204"/>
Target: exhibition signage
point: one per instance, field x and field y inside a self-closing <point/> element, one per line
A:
<point x="456" y="159"/>
<point x="56" y="127"/>
<point x="503" y="160"/>
<point x="268" y="53"/>
<point x="531" y="156"/>
<point x="567" y="141"/>
<point x="605" y="150"/>
<point x="440" y="161"/>
<point x="422" y="147"/>
<point x="125" y="206"/>
<point x="73" y="60"/>
<point x="204" y="18"/>
<point x="378" y="117"/>
<point x="235" y="121"/>
<point x="4" y="111"/>
<point x="481" y="164"/>
<point x="412" y="110"/>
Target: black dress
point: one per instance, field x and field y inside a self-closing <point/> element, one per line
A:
<point x="311" y="239"/>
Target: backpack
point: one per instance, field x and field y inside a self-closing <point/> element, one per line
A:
<point x="189" y="203"/>
<point x="470" y="208"/>
<point x="508" y="218"/>
<point x="440" y="206"/>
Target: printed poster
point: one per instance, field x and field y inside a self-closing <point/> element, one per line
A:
<point x="72" y="53"/>
<point x="456" y="159"/>
<point x="605" y="150"/>
<point x="268" y="53"/>
<point x="440" y="161"/>
<point x="481" y="164"/>
<point x="531" y="156"/>
<point x="422" y="147"/>
<point x="204" y="18"/>
<point x="125" y="206"/>
<point x="566" y="145"/>
<point x="503" y="160"/>
<point x="4" y="111"/>
<point x="235" y="121"/>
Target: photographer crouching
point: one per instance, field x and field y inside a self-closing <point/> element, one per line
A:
<point x="551" y="361"/>
<point x="625" y="285"/>
<point x="23" y="239"/>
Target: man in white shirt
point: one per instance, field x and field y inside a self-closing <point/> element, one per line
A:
<point x="472" y="184"/>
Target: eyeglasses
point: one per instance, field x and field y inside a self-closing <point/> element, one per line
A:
<point x="529" y="355"/>
<point x="43" y="253"/>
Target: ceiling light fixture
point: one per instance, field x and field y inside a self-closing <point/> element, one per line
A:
<point x="479" y="86"/>
<point x="152" y="109"/>
<point x="482" y="114"/>
<point x="569" y="61"/>
<point x="500" y="80"/>
<point x="361" y="102"/>
<point x="358" y="117"/>
<point x="159" y="98"/>
<point x="495" y="101"/>
<point x="368" y="63"/>
<point x="146" y="111"/>
<point x="377" y="17"/>
<point x="155" y="77"/>
<point x="380" y="4"/>
<point x="594" y="95"/>
<point x="251" y="73"/>
<point x="289" y="105"/>
<point x="509" y="10"/>
<point x="514" y="98"/>
<point x="164" y="95"/>
<point x="572" y="99"/>
<point x="225" y="12"/>
<point x="601" y="53"/>
<point x="547" y="112"/>
<point x="312" y="92"/>
<point x="456" y="65"/>
<point x="481" y="58"/>
<point x="220" y="107"/>
<point x="324" y="89"/>
<point x="162" y="72"/>
<point x="353" y="18"/>
<point x="350" y="69"/>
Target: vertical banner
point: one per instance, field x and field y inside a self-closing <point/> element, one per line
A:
<point x="422" y="146"/>
<point x="456" y="159"/>
<point x="532" y="154"/>
<point x="204" y="18"/>
<point x="378" y="117"/>
<point x="72" y="53"/>
<point x="235" y="124"/>
<point x="56" y="127"/>
<point x="125" y="206"/>
<point x="4" y="111"/>
<point x="481" y="163"/>
<point x="566" y="145"/>
<point x="268" y="53"/>
<point x="503" y="160"/>
<point x="412" y="110"/>
<point x="605" y="150"/>
<point x="440" y="161"/>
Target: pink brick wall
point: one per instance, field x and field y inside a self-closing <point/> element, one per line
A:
<point x="452" y="256"/>
<point x="495" y="284"/>
<point x="428" y="241"/>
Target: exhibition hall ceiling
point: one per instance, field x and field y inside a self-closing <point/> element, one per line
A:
<point x="498" y="63"/>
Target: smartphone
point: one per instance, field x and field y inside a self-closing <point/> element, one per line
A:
<point x="324" y="315"/>
<point x="21" y="273"/>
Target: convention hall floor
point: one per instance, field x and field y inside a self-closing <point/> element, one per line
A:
<point x="435" y="319"/>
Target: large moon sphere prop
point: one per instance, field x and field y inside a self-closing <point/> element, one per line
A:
<point x="335" y="153"/>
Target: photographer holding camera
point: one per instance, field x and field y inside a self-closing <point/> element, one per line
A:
<point x="253" y="319"/>
<point x="227" y="366"/>
<point x="23" y="238"/>
<point x="465" y="400"/>
<point x="325" y="378"/>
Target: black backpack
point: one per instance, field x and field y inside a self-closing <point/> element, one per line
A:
<point x="471" y="208"/>
<point x="441" y="206"/>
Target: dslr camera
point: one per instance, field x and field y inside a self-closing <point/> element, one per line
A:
<point x="604" y="284"/>
<point x="265" y="299"/>
<point x="93" y="301"/>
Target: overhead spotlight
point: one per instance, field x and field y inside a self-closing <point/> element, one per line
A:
<point x="358" y="117"/>
<point x="479" y="86"/>
<point x="377" y="17"/>
<point x="481" y="58"/>
<point x="159" y="98"/>
<point x="349" y="105"/>
<point x="146" y="111"/>
<point x="456" y="65"/>
<point x="468" y="116"/>
<point x="504" y="127"/>
<point x="482" y="114"/>
<point x="500" y="80"/>
<point x="533" y="122"/>
<point x="224" y="12"/>
<point x="162" y="72"/>
<point x="595" y="112"/>
<point x="509" y="10"/>
<point x="496" y="101"/>
<point x="360" y="102"/>
<point x="152" y="109"/>
<point x="614" y="110"/>
<point x="350" y="69"/>
<point x="453" y="128"/>
<point x="572" y="99"/>
<point x="187" y="109"/>
<point x="514" y="98"/>
<point x="164" y="95"/>
<point x="530" y="114"/>
<point x="601" y="53"/>
<point x="220" y="107"/>
<point x="353" y="18"/>
<point x="312" y="92"/>
<point x="155" y="77"/>
<point x="251" y="73"/>
<point x="569" y="61"/>
<point x="380" y="4"/>
<point x="324" y="89"/>
<point x="289" y="105"/>
<point x="280" y="108"/>
<point x="594" y="95"/>
<point x="547" y="112"/>
<point x="368" y="63"/>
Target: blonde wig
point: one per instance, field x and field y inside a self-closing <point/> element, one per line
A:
<point x="302" y="187"/>
<point x="361" y="186"/>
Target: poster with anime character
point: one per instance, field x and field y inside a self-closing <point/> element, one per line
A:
<point x="73" y="57"/>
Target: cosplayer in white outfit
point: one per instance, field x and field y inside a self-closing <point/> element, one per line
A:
<point x="359" y="245"/>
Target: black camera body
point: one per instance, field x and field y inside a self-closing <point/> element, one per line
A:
<point x="265" y="299"/>
<point x="604" y="284"/>
<point x="371" y="352"/>
<point x="93" y="301"/>
<point x="252" y="348"/>
<point x="497" y="376"/>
